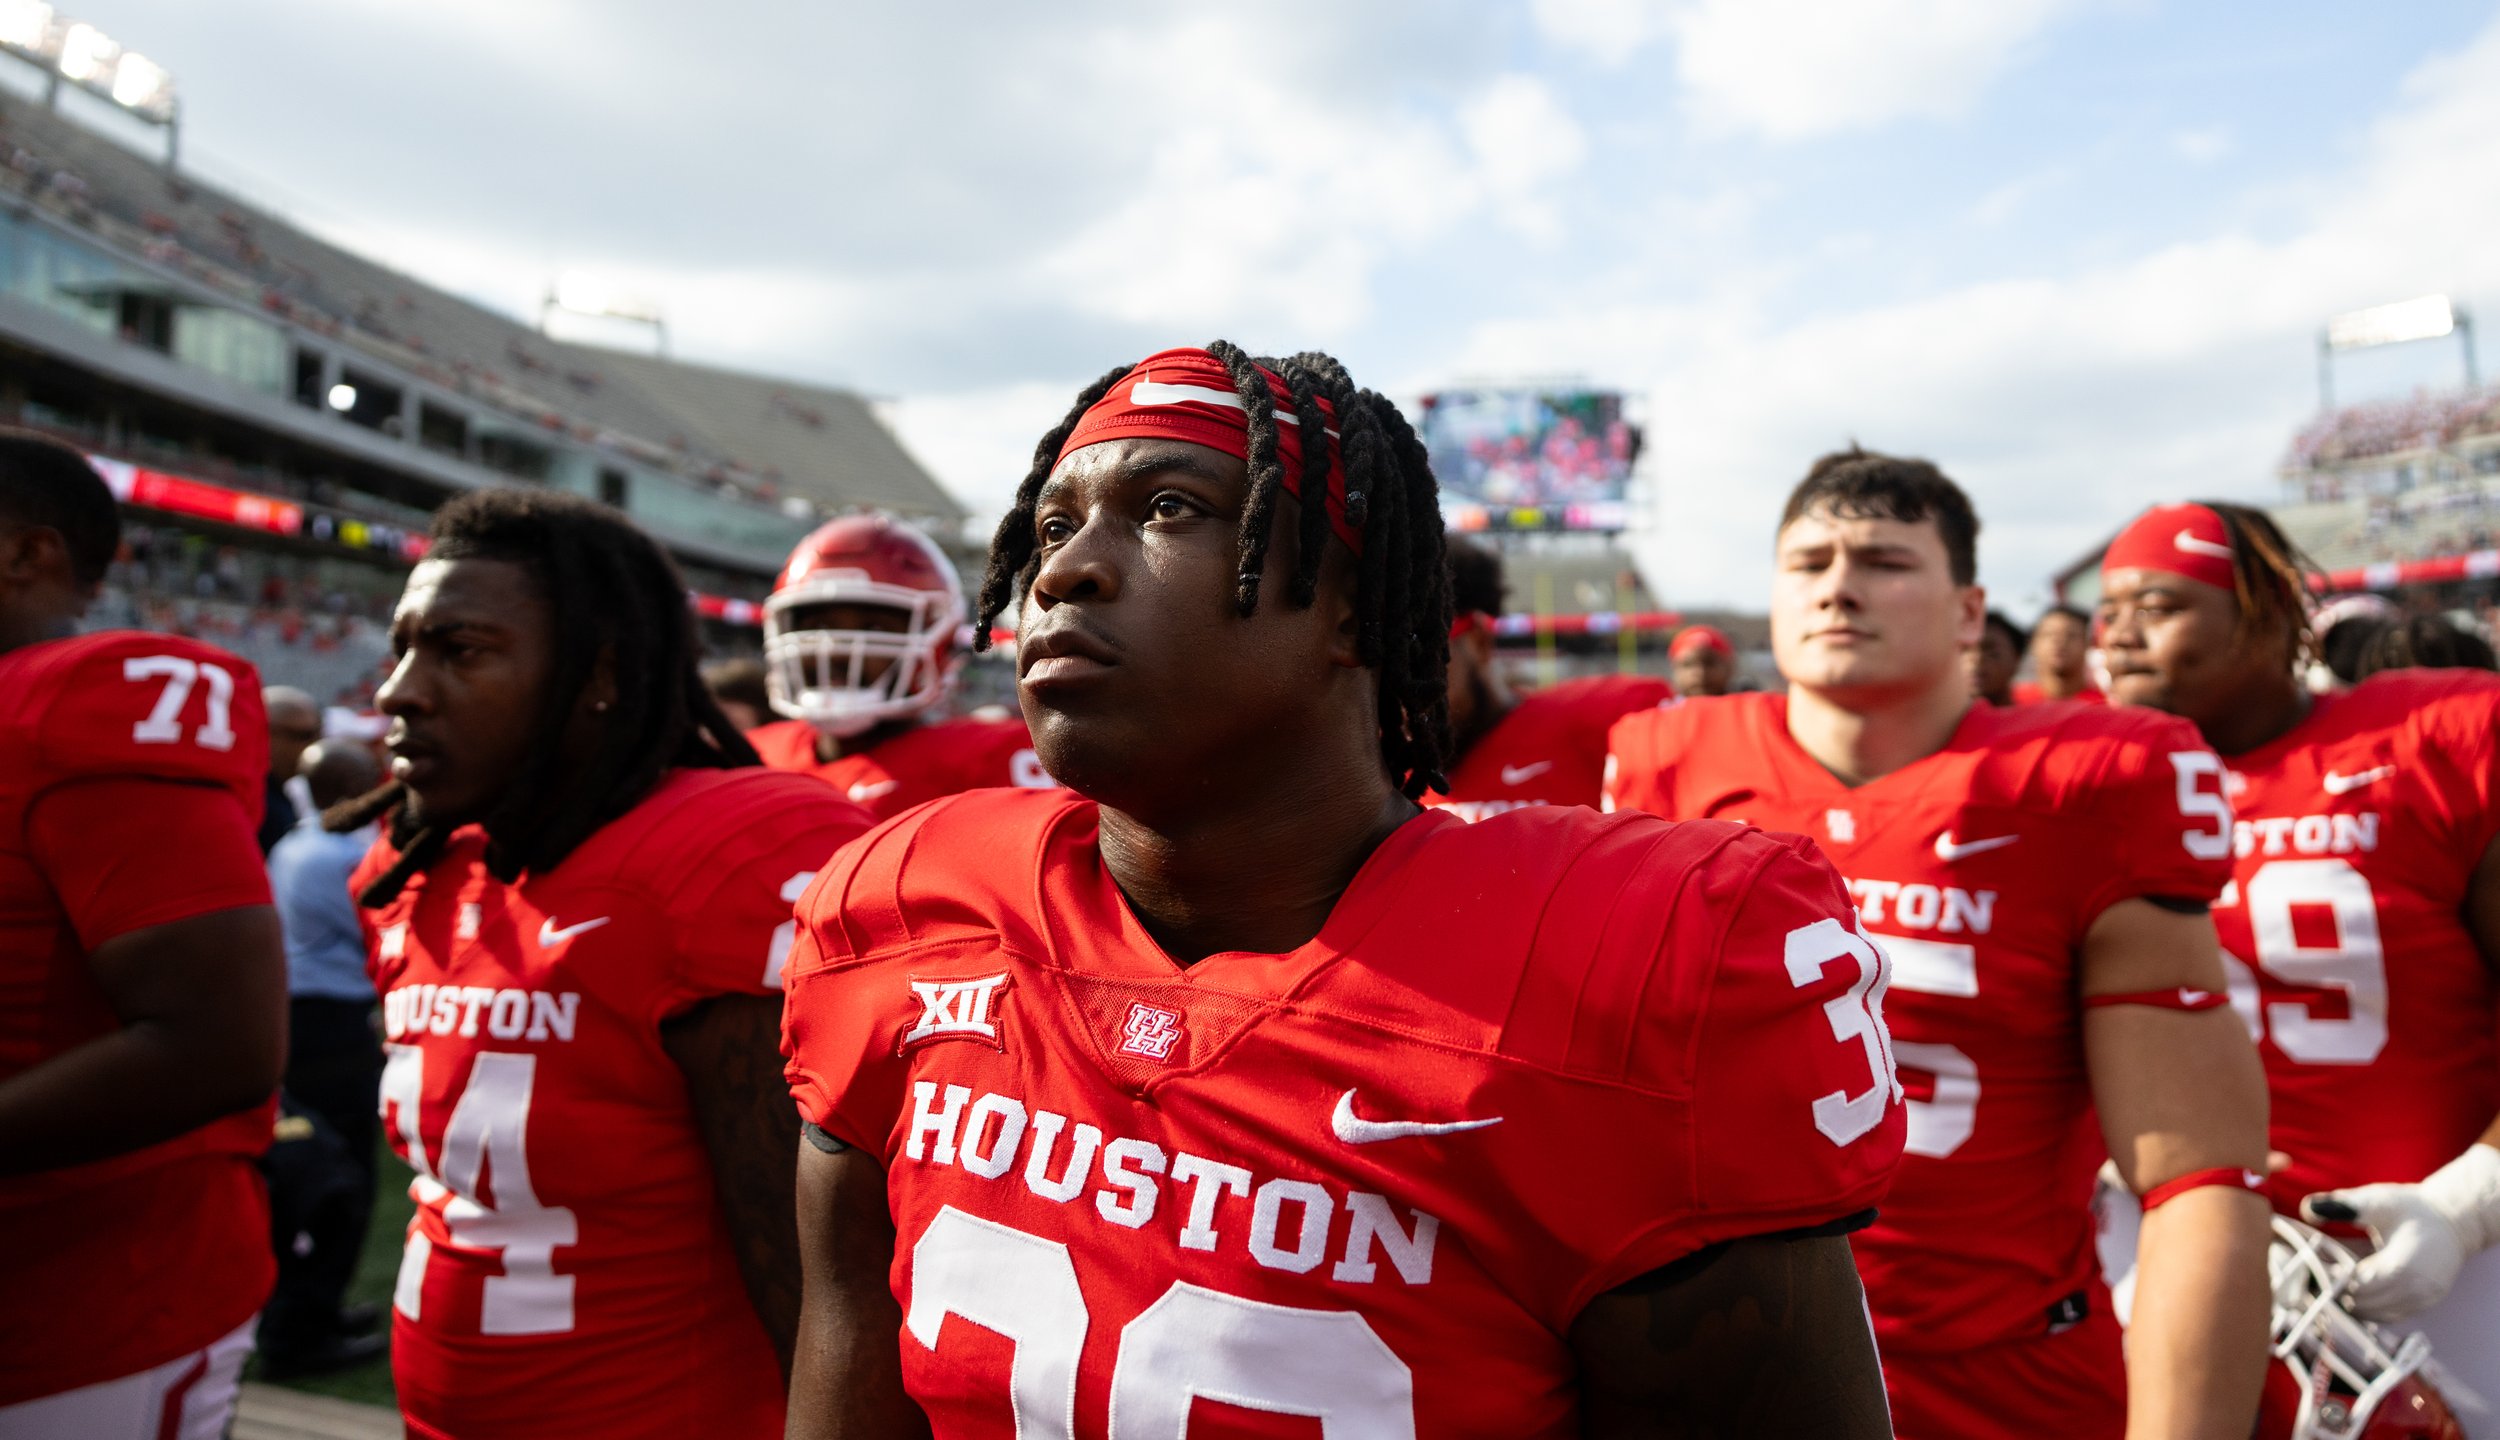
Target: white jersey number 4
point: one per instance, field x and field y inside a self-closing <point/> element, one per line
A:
<point x="484" y="1139"/>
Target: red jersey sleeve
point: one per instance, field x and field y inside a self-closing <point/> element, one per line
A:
<point x="915" y="891"/>
<point x="161" y="707"/>
<point x="1638" y="765"/>
<point x="1000" y="753"/>
<point x="104" y="846"/>
<point x="2160" y="823"/>
<point x="1767" y="1012"/>
<point x="2457" y="720"/>
<point x="734" y="872"/>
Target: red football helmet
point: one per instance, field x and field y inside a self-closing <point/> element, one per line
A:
<point x="2339" y="1377"/>
<point x="833" y="678"/>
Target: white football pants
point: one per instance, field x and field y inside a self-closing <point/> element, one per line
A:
<point x="190" y="1397"/>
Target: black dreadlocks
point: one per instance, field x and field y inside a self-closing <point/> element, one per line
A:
<point x="1402" y="588"/>
<point x="2269" y="579"/>
<point x="613" y="594"/>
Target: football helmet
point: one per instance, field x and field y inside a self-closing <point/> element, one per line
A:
<point x="2336" y="1376"/>
<point x="833" y="678"/>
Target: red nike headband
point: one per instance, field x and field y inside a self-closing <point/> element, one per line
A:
<point x="2188" y="540"/>
<point x="1700" y="637"/>
<point x="1188" y="395"/>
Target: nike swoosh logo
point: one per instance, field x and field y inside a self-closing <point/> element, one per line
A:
<point x="1353" y="1129"/>
<point x="2194" y="546"/>
<point x="1155" y="393"/>
<point x="548" y="934"/>
<point x="867" y="790"/>
<point x="1947" y="850"/>
<point x="2335" y="784"/>
<point x="2252" y="1180"/>
<point x="2194" y="997"/>
<point x="1522" y="774"/>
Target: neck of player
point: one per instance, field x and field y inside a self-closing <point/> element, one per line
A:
<point x="1257" y="866"/>
<point x="2262" y="712"/>
<point x="1862" y="736"/>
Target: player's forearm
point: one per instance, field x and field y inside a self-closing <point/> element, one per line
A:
<point x="729" y="1052"/>
<point x="2196" y="1351"/>
<point x="122" y="1092"/>
<point x="847" y="1379"/>
<point x="1768" y="1338"/>
<point x="847" y="1383"/>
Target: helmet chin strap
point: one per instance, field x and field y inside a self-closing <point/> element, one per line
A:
<point x="846" y="727"/>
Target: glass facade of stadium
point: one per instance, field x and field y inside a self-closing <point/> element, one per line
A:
<point x="283" y="476"/>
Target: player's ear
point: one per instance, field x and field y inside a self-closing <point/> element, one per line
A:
<point x="1971" y="625"/>
<point x="1336" y="600"/>
<point x="599" y="691"/>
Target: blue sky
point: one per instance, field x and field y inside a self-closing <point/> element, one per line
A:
<point x="2075" y="250"/>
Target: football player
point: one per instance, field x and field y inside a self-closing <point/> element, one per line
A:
<point x="2362" y="924"/>
<point x="859" y="649"/>
<point x="142" y="992"/>
<point x="1993" y="661"/>
<point x="1703" y="661"/>
<point x="1225" y="1085"/>
<point x="2040" y="876"/>
<point x="578" y="915"/>
<point x="1544" y="748"/>
<point x="2061" y="656"/>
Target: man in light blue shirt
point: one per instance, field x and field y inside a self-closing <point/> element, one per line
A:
<point x="333" y="1071"/>
<point x="308" y="870"/>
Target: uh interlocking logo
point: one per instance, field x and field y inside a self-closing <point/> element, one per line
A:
<point x="1151" y="1031"/>
<point x="956" y="1010"/>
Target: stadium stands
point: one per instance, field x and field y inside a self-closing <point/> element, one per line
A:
<point x="160" y="322"/>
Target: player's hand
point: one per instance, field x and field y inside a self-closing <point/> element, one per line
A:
<point x="2424" y="1233"/>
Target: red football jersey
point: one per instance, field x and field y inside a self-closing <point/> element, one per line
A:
<point x="2028" y="692"/>
<point x="130" y="786"/>
<point x="568" y="1270"/>
<point x="1980" y="868"/>
<point x="1372" y="1180"/>
<point x="2344" y="928"/>
<point x="1550" y="749"/>
<point x="944" y="757"/>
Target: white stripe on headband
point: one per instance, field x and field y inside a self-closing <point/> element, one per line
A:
<point x="1154" y="392"/>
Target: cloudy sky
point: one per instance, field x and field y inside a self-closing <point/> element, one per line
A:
<point x="2076" y="250"/>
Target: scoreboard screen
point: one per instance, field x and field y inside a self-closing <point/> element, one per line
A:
<point x="1530" y="458"/>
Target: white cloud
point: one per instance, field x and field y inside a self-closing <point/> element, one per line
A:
<point x="2063" y="401"/>
<point x="981" y="441"/>
<point x="1608" y="31"/>
<point x="1522" y="140"/>
<point x="1794" y="69"/>
<point x="2205" y="145"/>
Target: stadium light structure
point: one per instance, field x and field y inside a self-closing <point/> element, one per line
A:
<point x="75" y="51"/>
<point x="2425" y="317"/>
<point x="577" y="294"/>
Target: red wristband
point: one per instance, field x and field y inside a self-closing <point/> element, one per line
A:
<point x="2180" y="997"/>
<point x="2230" y="1175"/>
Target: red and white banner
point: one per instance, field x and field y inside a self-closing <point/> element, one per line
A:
<point x="2394" y="574"/>
<point x="200" y="500"/>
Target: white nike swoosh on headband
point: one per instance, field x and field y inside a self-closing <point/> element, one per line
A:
<point x="1155" y="392"/>
<point x="2194" y="546"/>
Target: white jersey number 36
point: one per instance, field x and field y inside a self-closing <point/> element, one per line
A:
<point x="1329" y="1365"/>
<point x="1856" y="1016"/>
